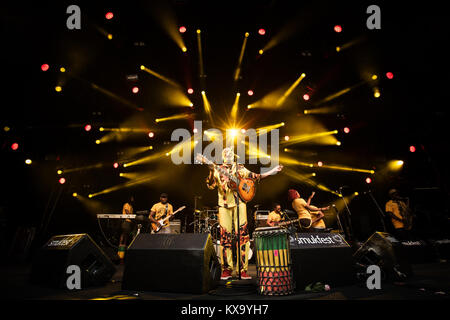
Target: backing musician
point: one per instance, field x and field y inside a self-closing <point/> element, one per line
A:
<point x="309" y="215"/>
<point x="159" y="211"/>
<point x="275" y="216"/>
<point x="319" y="224"/>
<point x="126" y="227"/>
<point x="398" y="210"/>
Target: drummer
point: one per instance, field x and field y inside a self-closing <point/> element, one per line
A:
<point x="275" y="216"/>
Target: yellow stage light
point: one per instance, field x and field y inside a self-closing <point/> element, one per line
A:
<point x="261" y="51"/>
<point x="142" y="67"/>
<point x="110" y="36"/>
<point x="62" y="69"/>
<point x="377" y="94"/>
<point x="101" y="129"/>
<point x="184" y="49"/>
<point x="6" y="128"/>
<point x="28" y="161"/>
<point x="286" y="138"/>
<point x="59" y="172"/>
<point x="356" y="193"/>
<point x="338" y="143"/>
<point x="58" y="88"/>
<point x="233" y="132"/>
<point x="90" y="196"/>
<point x="97" y="141"/>
<point x="75" y="194"/>
<point x="247" y="34"/>
<point x="313" y="174"/>
<point x="338" y="49"/>
<point x="198" y="30"/>
<point x="374" y="77"/>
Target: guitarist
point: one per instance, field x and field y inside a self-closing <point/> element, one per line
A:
<point x="398" y="210"/>
<point x="161" y="210"/>
<point x="275" y="216"/>
<point x="308" y="214"/>
<point x="228" y="213"/>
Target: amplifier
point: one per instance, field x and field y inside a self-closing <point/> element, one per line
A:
<point x="321" y="257"/>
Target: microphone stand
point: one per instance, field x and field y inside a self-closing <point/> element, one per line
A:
<point x="341" y="228"/>
<point x="236" y="200"/>
<point x="290" y="226"/>
<point x="382" y="215"/>
<point x="350" y="231"/>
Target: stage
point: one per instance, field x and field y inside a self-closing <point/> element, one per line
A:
<point x="430" y="282"/>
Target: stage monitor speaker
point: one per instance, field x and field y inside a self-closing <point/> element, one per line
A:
<point x="441" y="248"/>
<point x="51" y="261"/>
<point x="321" y="257"/>
<point x="184" y="262"/>
<point x="388" y="253"/>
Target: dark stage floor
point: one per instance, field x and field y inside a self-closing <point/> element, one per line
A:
<point x="430" y="282"/>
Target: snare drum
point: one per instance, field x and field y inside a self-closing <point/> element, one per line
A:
<point x="273" y="261"/>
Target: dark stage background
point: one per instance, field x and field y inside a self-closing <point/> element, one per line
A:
<point x="49" y="125"/>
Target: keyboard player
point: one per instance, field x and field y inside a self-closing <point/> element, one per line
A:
<point x="126" y="228"/>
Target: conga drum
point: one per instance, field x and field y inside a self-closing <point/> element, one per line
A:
<point x="273" y="261"/>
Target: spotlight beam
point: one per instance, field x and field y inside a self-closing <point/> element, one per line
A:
<point x="115" y="96"/>
<point x="241" y="57"/>
<point x="289" y="91"/>
<point x="308" y="137"/>
<point x="160" y="76"/>
<point x="235" y="107"/>
<point x="131" y="183"/>
<point x="200" y="55"/>
<point x="174" y="117"/>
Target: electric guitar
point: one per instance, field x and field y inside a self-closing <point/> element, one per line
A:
<point x="160" y="224"/>
<point x="245" y="187"/>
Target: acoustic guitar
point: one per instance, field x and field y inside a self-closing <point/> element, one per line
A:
<point x="245" y="187"/>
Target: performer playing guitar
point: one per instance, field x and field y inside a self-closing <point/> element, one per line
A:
<point x="160" y="214"/>
<point x="221" y="177"/>
<point x="275" y="216"/>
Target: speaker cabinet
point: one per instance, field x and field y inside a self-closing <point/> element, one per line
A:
<point x="321" y="257"/>
<point x="388" y="253"/>
<point x="51" y="262"/>
<point x="184" y="262"/>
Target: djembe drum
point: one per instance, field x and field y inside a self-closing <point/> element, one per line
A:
<point x="273" y="261"/>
